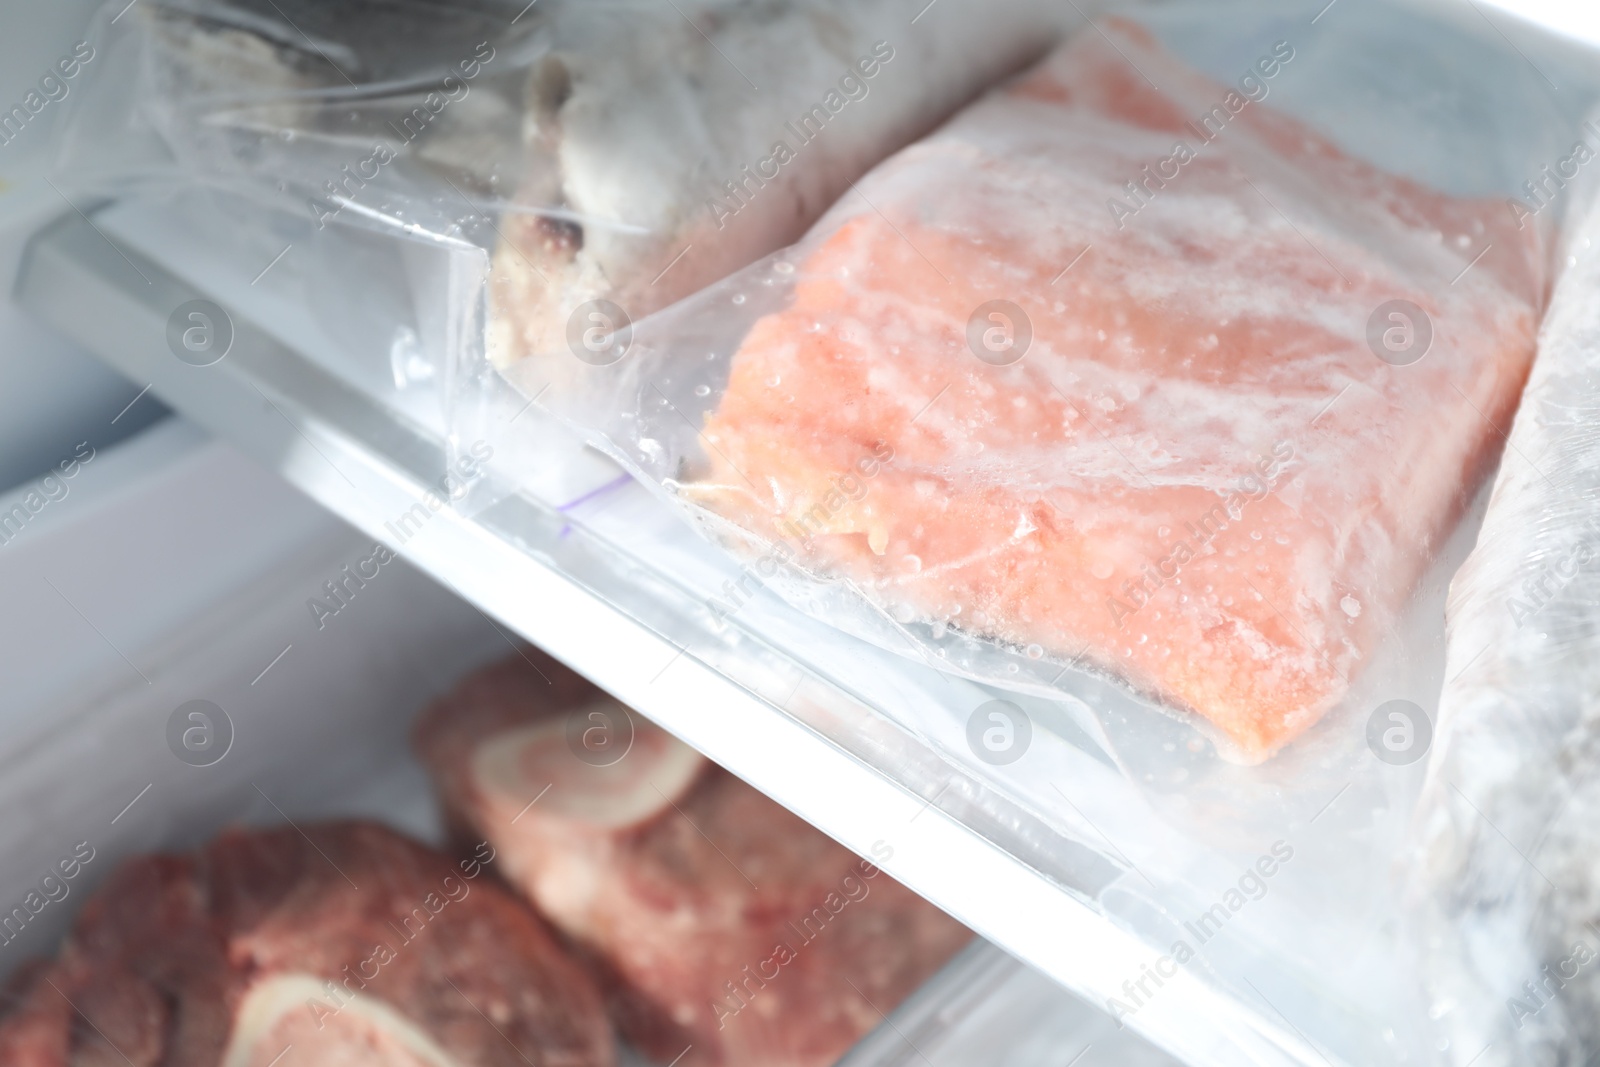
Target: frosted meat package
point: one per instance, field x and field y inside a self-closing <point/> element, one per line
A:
<point x="1504" y="880"/>
<point x="1060" y="379"/>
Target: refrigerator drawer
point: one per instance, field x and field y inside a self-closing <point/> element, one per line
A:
<point x="176" y="571"/>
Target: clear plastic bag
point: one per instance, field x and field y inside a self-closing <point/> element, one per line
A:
<point x="1005" y="410"/>
<point x="592" y="151"/>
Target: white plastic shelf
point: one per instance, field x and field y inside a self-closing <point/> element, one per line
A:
<point x="176" y="570"/>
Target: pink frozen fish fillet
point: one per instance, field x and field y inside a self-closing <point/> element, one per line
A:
<point x="1199" y="476"/>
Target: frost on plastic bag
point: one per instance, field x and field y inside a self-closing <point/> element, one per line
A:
<point x="1505" y="876"/>
<point x="1121" y="370"/>
<point x="675" y="144"/>
<point x="368" y="110"/>
<point x="330" y="129"/>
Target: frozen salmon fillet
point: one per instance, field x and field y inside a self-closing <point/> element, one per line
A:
<point x="1199" y="476"/>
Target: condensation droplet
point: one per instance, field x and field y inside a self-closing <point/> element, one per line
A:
<point x="738" y="298"/>
<point x="702" y="390"/>
<point x="1351" y="606"/>
<point x="1035" y="651"/>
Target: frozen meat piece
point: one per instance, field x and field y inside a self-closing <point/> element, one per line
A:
<point x="727" y="930"/>
<point x="1509" y="819"/>
<point x="670" y="145"/>
<point x="1159" y="381"/>
<point x="32" y="1028"/>
<point x="352" y="944"/>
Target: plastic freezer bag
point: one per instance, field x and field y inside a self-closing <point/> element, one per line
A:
<point x="1121" y="370"/>
<point x="1505" y="872"/>
<point x="608" y="150"/>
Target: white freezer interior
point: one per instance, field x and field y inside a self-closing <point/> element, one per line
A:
<point x="180" y="571"/>
<point x="1086" y="868"/>
<point x="53" y="393"/>
<point x="176" y="570"/>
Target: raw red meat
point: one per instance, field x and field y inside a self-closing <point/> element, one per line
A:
<point x="350" y="943"/>
<point x="727" y="930"/>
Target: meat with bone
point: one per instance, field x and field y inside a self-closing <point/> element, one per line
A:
<point x="354" y="945"/>
<point x="726" y="930"/>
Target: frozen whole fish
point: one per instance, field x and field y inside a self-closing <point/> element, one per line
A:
<point x="670" y="145"/>
<point x="1509" y="869"/>
<point x="1194" y="470"/>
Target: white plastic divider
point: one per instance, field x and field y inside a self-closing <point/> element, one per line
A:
<point x="371" y="466"/>
<point x="52" y="393"/>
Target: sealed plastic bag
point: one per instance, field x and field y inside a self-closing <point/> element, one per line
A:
<point x="1120" y="369"/>
<point x="1508" y="888"/>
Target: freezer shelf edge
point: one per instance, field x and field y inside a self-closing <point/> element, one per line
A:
<point x="369" y="468"/>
